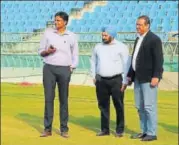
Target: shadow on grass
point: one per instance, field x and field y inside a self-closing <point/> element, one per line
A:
<point x="126" y="129"/>
<point x="32" y="120"/>
<point x="170" y="128"/>
<point x="93" y="123"/>
<point x="88" y="122"/>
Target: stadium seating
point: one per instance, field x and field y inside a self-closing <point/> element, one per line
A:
<point x="128" y="11"/>
<point x="25" y="16"/>
<point x="15" y="14"/>
<point x="34" y="61"/>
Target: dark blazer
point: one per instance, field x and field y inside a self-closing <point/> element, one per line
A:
<point x="149" y="61"/>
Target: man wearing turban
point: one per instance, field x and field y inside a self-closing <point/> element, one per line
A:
<point x="109" y="69"/>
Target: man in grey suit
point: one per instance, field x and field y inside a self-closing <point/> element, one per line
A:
<point x="59" y="49"/>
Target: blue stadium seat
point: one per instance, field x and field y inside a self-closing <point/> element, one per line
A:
<point x="165" y="27"/>
<point x="111" y="3"/>
<point x="72" y="4"/>
<point x="141" y="7"/>
<point x="94" y="15"/>
<point x="105" y="9"/>
<point x="165" y="6"/>
<point x="175" y="26"/>
<point x="9" y="6"/>
<point x="20" y="23"/>
<point x="93" y="28"/>
<point x="133" y="27"/>
<point x="144" y="12"/>
<point x="97" y="9"/>
<point x="3" y="5"/>
<point x="131" y="21"/>
<point x="153" y="27"/>
<point x="84" y="29"/>
<point x="173" y="6"/>
<point x="133" y="3"/>
<point x="97" y="22"/>
<point x="77" y="28"/>
<point x="118" y="15"/>
<point x="153" y="13"/>
<point x="155" y="7"/>
<point x="156" y="21"/>
<point x="127" y="14"/>
<point x="126" y="28"/>
<point x="162" y="13"/>
<point x="105" y="21"/>
<point x="90" y="22"/>
<point x="167" y="20"/>
<point x="82" y="22"/>
<point x="114" y="22"/>
<point x="172" y="12"/>
<point x="136" y="14"/>
<point x="102" y="15"/>
<point x="79" y="4"/>
<point x="114" y="12"/>
<point x="131" y="7"/>
<point x="70" y="28"/>
<point x="113" y="9"/>
<point x="86" y="15"/>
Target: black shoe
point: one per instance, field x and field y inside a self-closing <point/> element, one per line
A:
<point x="139" y="136"/>
<point x="149" y="138"/>
<point x="102" y="133"/>
<point x="119" y="134"/>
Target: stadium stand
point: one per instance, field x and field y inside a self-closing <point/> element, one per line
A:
<point x="34" y="15"/>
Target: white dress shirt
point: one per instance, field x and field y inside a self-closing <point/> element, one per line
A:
<point x="108" y="60"/>
<point x="66" y="48"/>
<point x="139" y="42"/>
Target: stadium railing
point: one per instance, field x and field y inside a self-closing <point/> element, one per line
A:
<point x="22" y="52"/>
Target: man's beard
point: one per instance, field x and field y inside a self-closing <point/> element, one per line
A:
<point x="108" y="41"/>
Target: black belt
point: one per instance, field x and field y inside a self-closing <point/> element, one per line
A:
<point x="56" y="65"/>
<point x="112" y="77"/>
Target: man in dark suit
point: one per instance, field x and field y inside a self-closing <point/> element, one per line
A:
<point x="146" y="72"/>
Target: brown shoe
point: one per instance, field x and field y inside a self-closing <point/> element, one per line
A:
<point x="119" y="135"/>
<point x="64" y="134"/>
<point x="46" y="133"/>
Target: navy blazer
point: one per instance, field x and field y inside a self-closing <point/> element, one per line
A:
<point x="149" y="61"/>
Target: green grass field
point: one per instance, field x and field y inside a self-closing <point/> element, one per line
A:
<point x="22" y="110"/>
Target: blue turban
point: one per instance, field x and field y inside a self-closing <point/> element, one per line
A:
<point x="110" y="30"/>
